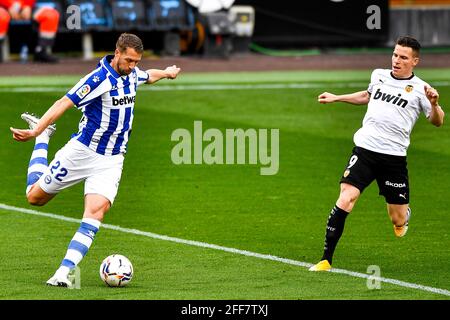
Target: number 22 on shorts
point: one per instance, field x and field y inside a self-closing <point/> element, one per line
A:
<point x="60" y="172"/>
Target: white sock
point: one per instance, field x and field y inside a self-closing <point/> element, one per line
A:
<point x="38" y="161"/>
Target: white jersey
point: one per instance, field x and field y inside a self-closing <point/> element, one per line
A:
<point x="394" y="107"/>
<point x="107" y="102"/>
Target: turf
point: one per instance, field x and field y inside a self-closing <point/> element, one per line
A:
<point x="231" y="205"/>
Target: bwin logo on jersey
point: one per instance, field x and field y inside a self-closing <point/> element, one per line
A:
<point x="124" y="100"/>
<point x="397" y="100"/>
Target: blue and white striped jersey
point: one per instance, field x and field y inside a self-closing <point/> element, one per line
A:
<point x="107" y="102"/>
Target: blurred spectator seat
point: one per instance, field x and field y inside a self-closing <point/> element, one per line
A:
<point x="169" y="15"/>
<point x="95" y="15"/>
<point x="129" y="15"/>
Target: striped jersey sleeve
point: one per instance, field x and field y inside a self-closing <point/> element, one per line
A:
<point x="107" y="100"/>
<point x="142" y="76"/>
<point x="90" y="87"/>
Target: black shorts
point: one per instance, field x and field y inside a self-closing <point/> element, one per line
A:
<point x="391" y="174"/>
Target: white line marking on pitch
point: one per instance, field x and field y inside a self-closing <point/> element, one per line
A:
<point x="220" y="87"/>
<point x="231" y="250"/>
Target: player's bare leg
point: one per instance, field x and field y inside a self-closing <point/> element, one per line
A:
<point x="38" y="197"/>
<point x="399" y="214"/>
<point x="95" y="208"/>
<point x="335" y="224"/>
<point x="347" y="197"/>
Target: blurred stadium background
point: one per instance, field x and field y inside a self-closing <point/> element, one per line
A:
<point x="246" y="63"/>
<point x="223" y="28"/>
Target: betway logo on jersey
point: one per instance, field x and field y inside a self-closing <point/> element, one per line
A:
<point x="397" y="100"/>
<point x="124" y="100"/>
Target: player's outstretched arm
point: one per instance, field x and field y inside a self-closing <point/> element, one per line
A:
<point x="157" y="74"/>
<point x="52" y="114"/>
<point x="437" y="114"/>
<point x="360" y="97"/>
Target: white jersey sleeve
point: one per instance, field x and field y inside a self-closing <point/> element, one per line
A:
<point x="374" y="79"/>
<point x="142" y="76"/>
<point x="425" y="104"/>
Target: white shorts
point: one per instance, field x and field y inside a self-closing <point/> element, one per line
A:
<point x="75" y="162"/>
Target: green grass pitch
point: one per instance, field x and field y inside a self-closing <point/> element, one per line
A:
<point x="283" y="215"/>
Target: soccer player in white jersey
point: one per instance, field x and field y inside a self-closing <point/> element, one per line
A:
<point x="395" y="97"/>
<point x="95" y="154"/>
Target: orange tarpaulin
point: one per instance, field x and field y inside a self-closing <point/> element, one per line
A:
<point x="394" y="3"/>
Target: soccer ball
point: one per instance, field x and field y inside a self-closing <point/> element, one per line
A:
<point x="116" y="270"/>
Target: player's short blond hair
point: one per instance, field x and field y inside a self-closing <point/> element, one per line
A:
<point x="129" y="40"/>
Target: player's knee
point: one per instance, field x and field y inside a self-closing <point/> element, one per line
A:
<point x="347" y="199"/>
<point x="34" y="200"/>
<point x="97" y="213"/>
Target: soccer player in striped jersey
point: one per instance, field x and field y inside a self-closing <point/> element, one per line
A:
<point x="95" y="154"/>
<point x="396" y="97"/>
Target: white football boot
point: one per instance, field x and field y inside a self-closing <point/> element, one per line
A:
<point x="32" y="121"/>
<point x="59" y="281"/>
